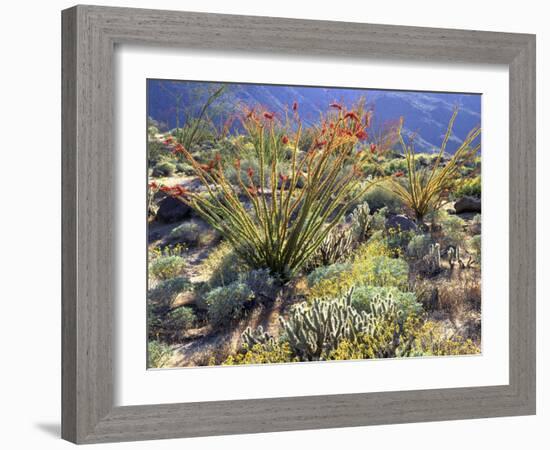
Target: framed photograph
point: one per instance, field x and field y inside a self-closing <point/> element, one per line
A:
<point x="278" y="224"/>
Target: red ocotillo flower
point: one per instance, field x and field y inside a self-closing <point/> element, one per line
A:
<point x="283" y="178"/>
<point x="361" y="135"/>
<point x="178" y="191"/>
<point x="399" y="173"/>
<point x="250" y="172"/>
<point x="166" y="189"/>
<point x="284" y="139"/>
<point x="352" y="115"/>
<point x="319" y="144"/>
<point x="268" y="115"/>
<point x="373" y="148"/>
<point x="252" y="191"/>
<point x="178" y="149"/>
<point x="153" y="185"/>
<point x="168" y="141"/>
<point x="335" y="105"/>
<point x="295" y="106"/>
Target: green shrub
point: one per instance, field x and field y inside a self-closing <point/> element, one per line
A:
<point x="223" y="266"/>
<point x="419" y="245"/>
<point x="475" y="247"/>
<point x="167" y="290"/>
<point x="166" y="267"/>
<point x="364" y="297"/>
<point x="384" y="271"/>
<point x="182" y="318"/>
<point x="270" y="353"/>
<point x="155" y="151"/>
<point x="261" y="282"/>
<point x="470" y="187"/>
<point x="164" y="169"/>
<point x="453" y="230"/>
<point x="381" y="196"/>
<point x="225" y="303"/>
<point x="414" y="338"/>
<point x="189" y="232"/>
<point x="185" y="168"/>
<point x="327" y="272"/>
<point x="158" y="354"/>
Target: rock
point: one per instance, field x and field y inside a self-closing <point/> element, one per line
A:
<point x="468" y="204"/>
<point x="401" y="222"/>
<point x="172" y="210"/>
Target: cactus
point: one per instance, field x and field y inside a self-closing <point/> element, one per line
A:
<point x="335" y="247"/>
<point x="252" y="337"/>
<point x="361" y="221"/>
<point x="453" y="256"/>
<point x="313" y="331"/>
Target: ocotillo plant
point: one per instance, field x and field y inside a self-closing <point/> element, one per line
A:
<point x="425" y="189"/>
<point x="276" y="220"/>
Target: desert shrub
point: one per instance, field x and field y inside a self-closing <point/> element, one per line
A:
<point x="371" y="266"/>
<point x="182" y="318"/>
<point x="475" y="247"/>
<point x="261" y="282"/>
<point x="425" y="189"/>
<point x="222" y="266"/>
<point x="365" y="296"/>
<point x="158" y="354"/>
<point x="327" y="272"/>
<point x="166" y="267"/>
<point x="453" y="230"/>
<point x="384" y="271"/>
<point x="430" y="339"/>
<point x="270" y="353"/>
<point x="419" y="245"/>
<point x="189" y="232"/>
<point x="398" y="240"/>
<point x="453" y="295"/>
<point x="470" y="187"/>
<point x="155" y="150"/>
<point x="167" y="290"/>
<point x="184" y="167"/>
<point x="164" y="169"/>
<point x="279" y="230"/>
<point x="395" y="165"/>
<point x="381" y="196"/>
<point x="414" y="338"/>
<point x="226" y="303"/>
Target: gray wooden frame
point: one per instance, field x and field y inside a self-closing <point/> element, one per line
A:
<point x="90" y="34"/>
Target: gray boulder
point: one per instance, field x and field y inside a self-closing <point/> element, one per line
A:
<point x="172" y="210"/>
<point x="400" y="222"/>
<point x="468" y="205"/>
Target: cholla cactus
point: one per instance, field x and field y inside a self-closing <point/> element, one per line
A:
<point x="361" y="221"/>
<point x="252" y="337"/>
<point x="335" y="247"/>
<point x="315" y="330"/>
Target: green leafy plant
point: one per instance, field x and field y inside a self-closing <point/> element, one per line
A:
<point x="226" y="303"/>
<point x="158" y="354"/>
<point x="166" y="267"/>
<point x="281" y="228"/>
<point x="424" y="189"/>
<point x="181" y="318"/>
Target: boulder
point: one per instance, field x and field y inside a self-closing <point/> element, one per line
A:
<point x="468" y="205"/>
<point x="400" y="222"/>
<point x="172" y="210"/>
